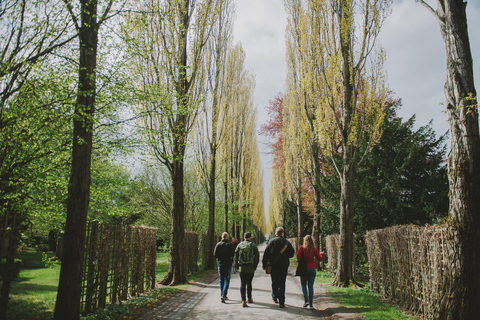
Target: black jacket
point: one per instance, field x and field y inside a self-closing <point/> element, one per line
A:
<point x="224" y="252"/>
<point x="272" y="254"/>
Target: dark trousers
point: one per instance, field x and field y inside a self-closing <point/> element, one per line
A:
<point x="246" y="285"/>
<point x="279" y="277"/>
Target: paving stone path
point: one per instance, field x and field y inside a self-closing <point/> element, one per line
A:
<point x="201" y="300"/>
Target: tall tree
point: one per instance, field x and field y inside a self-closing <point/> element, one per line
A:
<point x="168" y="38"/>
<point x="31" y="31"/>
<point x="214" y="112"/>
<point x="240" y="150"/>
<point x="70" y="284"/>
<point x="462" y="291"/>
<point x="351" y="96"/>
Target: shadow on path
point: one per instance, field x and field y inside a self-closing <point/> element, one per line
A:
<point x="201" y="300"/>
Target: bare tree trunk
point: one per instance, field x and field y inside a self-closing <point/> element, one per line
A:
<point x="462" y="287"/>
<point x="299" y="210"/>
<point x="70" y="284"/>
<point x="225" y="188"/>
<point x="177" y="273"/>
<point x="210" y="262"/>
<point x="345" y="273"/>
<point x="8" y="273"/>
<point x="316" y="232"/>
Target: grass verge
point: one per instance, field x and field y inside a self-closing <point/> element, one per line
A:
<point x="34" y="292"/>
<point x="361" y="301"/>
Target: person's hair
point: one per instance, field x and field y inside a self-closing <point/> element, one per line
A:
<point x="225" y="235"/>
<point x="308" y="243"/>
<point x="279" y="231"/>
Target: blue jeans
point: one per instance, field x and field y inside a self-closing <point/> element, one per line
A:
<point x="310" y="280"/>
<point x="224" y="275"/>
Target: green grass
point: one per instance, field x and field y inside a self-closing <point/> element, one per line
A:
<point x="361" y="301"/>
<point x="34" y="292"/>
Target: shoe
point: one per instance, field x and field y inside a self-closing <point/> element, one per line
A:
<point x="226" y="298"/>
<point x="244" y="304"/>
<point x="275" y="300"/>
<point x="282" y="306"/>
<point x="223" y="299"/>
<point x="305" y="304"/>
<point x="250" y="300"/>
<point x="310" y="308"/>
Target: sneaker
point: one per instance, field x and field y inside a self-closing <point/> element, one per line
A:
<point x="282" y="306"/>
<point x="305" y="304"/>
<point x="223" y="299"/>
<point x="275" y="300"/>
<point x="250" y="300"/>
<point x="244" y="304"/>
<point x="226" y="298"/>
<point x="310" y="308"/>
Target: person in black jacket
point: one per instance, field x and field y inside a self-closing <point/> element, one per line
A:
<point x="278" y="253"/>
<point x="224" y="252"/>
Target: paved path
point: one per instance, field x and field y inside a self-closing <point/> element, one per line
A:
<point x="202" y="301"/>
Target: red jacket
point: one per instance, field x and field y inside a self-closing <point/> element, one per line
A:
<point x="310" y="258"/>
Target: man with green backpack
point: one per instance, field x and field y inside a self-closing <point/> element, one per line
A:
<point x="246" y="261"/>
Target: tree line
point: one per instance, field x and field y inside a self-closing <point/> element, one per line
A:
<point x="343" y="161"/>
<point x="85" y="83"/>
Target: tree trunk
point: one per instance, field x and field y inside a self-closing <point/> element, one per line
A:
<point x="9" y="266"/>
<point x="225" y="187"/>
<point x="345" y="274"/>
<point x="462" y="286"/>
<point x="316" y="232"/>
<point x="177" y="273"/>
<point x="70" y="284"/>
<point x="210" y="262"/>
<point x="299" y="211"/>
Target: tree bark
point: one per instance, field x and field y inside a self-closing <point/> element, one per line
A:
<point x="210" y="261"/>
<point x="70" y="284"/>
<point x="8" y="273"/>
<point x="345" y="272"/>
<point x="462" y="286"/>
<point x="299" y="211"/>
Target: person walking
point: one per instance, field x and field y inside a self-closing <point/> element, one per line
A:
<point x="224" y="252"/>
<point x="246" y="262"/>
<point x="309" y="253"/>
<point x="278" y="253"/>
<point x="235" y="244"/>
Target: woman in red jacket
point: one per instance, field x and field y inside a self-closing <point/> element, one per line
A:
<point x="309" y="253"/>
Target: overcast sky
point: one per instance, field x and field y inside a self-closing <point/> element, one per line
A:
<point x="415" y="59"/>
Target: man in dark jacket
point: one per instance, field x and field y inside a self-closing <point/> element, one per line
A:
<point x="224" y="252"/>
<point x="278" y="253"/>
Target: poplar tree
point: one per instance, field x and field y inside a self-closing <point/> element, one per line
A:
<point x="213" y="115"/>
<point x="168" y="41"/>
<point x="340" y="75"/>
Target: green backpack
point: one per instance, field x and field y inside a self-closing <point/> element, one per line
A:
<point x="245" y="254"/>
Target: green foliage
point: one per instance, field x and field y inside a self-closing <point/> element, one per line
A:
<point x="50" y="262"/>
<point x="402" y="180"/>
